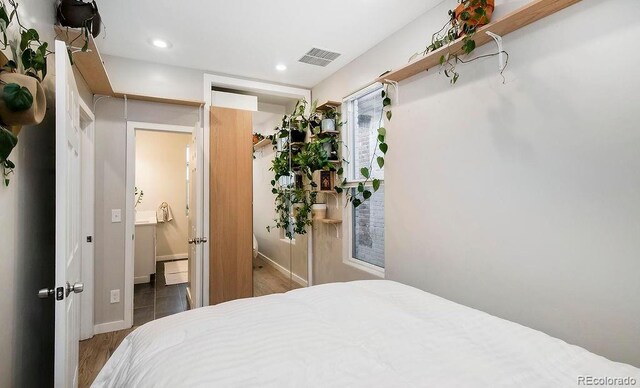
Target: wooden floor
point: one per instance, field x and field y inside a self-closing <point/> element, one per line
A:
<point x="95" y="352"/>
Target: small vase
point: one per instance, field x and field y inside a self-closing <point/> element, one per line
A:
<point x="328" y="125"/>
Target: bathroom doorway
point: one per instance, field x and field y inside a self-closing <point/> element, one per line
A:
<point x="159" y="170"/>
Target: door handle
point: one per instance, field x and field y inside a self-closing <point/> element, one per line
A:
<point x="203" y="240"/>
<point x="76" y="288"/>
<point x="191" y="241"/>
<point x="46" y="292"/>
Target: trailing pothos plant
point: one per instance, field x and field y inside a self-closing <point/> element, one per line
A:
<point x="30" y="58"/>
<point x="462" y="24"/>
<point x="362" y="192"/>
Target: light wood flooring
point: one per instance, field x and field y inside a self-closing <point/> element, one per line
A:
<point x="95" y="352"/>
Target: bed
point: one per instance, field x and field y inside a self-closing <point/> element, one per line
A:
<point x="358" y="334"/>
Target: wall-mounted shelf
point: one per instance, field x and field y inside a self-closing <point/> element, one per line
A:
<point x="328" y="105"/>
<point x="329" y="221"/>
<point x="91" y="67"/>
<point x="262" y="143"/>
<point x="325" y="133"/>
<point x="513" y="21"/>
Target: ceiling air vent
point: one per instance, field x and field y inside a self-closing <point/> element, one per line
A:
<point x="319" y="57"/>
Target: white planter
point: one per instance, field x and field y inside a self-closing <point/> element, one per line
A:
<point x="328" y="125"/>
<point x="319" y="211"/>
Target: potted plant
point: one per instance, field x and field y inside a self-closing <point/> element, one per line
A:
<point x="463" y="23"/>
<point x="330" y="120"/>
<point x="257" y="138"/>
<point x="22" y="98"/>
<point x="78" y="14"/>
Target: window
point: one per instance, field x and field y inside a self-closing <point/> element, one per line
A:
<point x="366" y="227"/>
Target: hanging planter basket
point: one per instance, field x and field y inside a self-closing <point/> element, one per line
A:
<point x="78" y="14"/>
<point x="11" y="113"/>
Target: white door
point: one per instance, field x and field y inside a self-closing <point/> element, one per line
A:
<point x="196" y="218"/>
<point x="68" y="223"/>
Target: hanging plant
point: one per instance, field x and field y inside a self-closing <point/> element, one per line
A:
<point x="362" y="193"/>
<point x="463" y="23"/>
<point x="8" y="141"/>
<point x="78" y="14"/>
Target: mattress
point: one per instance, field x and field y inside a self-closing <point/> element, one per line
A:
<point x="359" y="334"/>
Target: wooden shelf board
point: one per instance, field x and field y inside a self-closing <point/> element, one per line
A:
<point x="162" y="100"/>
<point x="513" y="21"/>
<point x="329" y="104"/>
<point x="262" y="143"/>
<point x="89" y="63"/>
<point x="329" y="221"/>
<point x="327" y="133"/>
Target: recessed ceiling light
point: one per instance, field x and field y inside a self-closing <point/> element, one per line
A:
<point x="160" y="43"/>
<point x="281" y="67"/>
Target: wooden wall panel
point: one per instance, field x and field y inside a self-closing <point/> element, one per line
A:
<point x="231" y="216"/>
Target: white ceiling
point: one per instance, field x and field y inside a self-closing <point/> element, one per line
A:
<point x="248" y="38"/>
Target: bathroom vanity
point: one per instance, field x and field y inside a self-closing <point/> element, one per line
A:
<point x="145" y="247"/>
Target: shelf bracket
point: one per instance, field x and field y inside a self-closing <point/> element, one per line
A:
<point x="396" y="87"/>
<point x="498" y="39"/>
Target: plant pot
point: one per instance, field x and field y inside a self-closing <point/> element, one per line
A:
<point x="298" y="137"/>
<point x="256" y="139"/>
<point x="78" y="14"/>
<point x="319" y="211"/>
<point x="471" y="6"/>
<point x="328" y="125"/>
<point x="33" y="115"/>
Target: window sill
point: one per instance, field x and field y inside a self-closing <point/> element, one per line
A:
<point x="366" y="267"/>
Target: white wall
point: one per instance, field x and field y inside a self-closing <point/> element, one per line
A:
<point x="110" y="190"/>
<point x="521" y="199"/>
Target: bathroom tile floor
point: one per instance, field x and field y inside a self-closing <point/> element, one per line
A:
<point x="156" y="300"/>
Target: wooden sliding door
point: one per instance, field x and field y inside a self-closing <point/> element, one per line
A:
<point x="231" y="169"/>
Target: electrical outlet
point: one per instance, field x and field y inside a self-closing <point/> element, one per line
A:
<point x="115" y="296"/>
<point x="116" y="216"/>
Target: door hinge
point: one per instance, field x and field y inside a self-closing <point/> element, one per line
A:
<point x="89" y="239"/>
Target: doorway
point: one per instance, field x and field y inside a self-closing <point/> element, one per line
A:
<point x="158" y="177"/>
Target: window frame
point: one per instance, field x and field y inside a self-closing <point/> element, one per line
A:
<point x="352" y="183"/>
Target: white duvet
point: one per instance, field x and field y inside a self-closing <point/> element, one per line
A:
<point x="360" y="334"/>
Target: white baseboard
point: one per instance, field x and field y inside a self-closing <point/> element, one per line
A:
<point x="110" y="327"/>
<point x="142" y="279"/>
<point x="172" y="257"/>
<point x="296" y="278"/>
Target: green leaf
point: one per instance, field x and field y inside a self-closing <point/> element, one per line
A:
<point x="376" y="184"/>
<point x="384" y="148"/>
<point x="17" y="98"/>
<point x="381" y="138"/>
<point x="469" y="45"/>
<point x="340" y="171"/>
<point x="356" y="202"/>
<point x="8" y="141"/>
<point x="389" y="115"/>
<point x="382" y="131"/>
<point x="366" y="194"/>
<point x="360" y="187"/>
<point x="380" y="161"/>
<point x="384" y="94"/>
<point x="365" y="172"/>
<point x="338" y="189"/>
<point x="386" y="101"/>
<point x="442" y="60"/>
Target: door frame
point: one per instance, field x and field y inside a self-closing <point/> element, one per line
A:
<point x="130" y="222"/>
<point x="88" y="227"/>
<point x="217" y="81"/>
